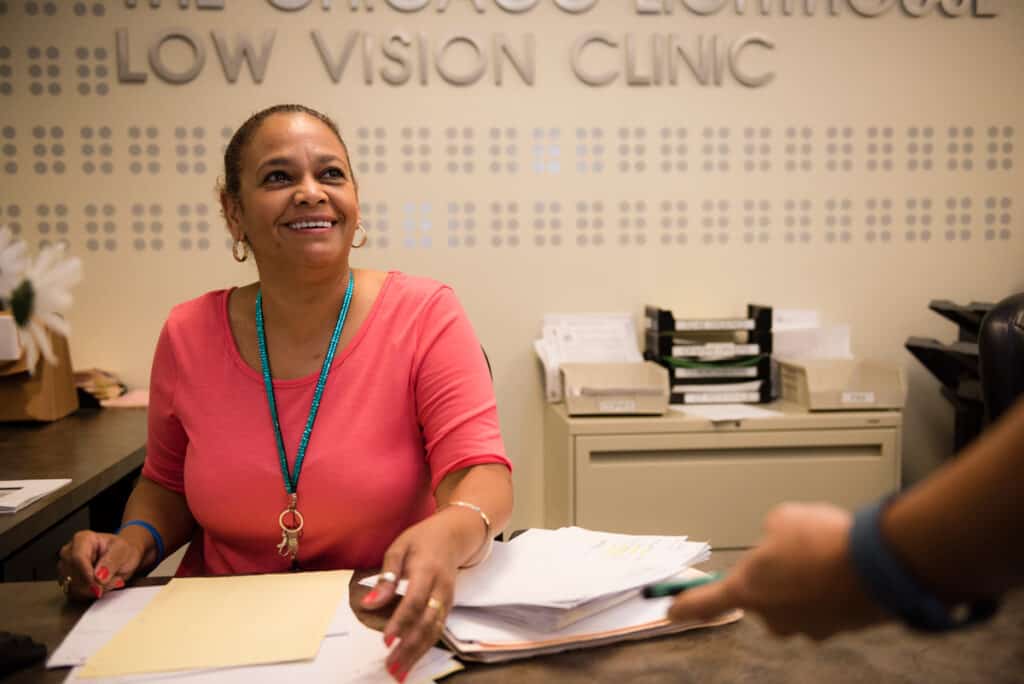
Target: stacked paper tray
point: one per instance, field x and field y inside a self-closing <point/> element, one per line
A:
<point x="713" y="360"/>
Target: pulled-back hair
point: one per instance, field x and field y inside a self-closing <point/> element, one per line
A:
<point x="236" y="147"/>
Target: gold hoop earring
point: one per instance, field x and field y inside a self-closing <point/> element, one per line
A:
<point x="366" y="236"/>
<point x="245" y="250"/>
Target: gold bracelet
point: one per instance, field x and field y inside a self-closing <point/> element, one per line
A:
<point x="488" y="541"/>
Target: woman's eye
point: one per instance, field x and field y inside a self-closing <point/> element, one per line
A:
<point x="334" y="172"/>
<point x="276" y="177"/>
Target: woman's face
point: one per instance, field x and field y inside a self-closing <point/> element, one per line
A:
<point x="298" y="205"/>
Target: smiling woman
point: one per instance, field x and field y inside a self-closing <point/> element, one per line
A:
<point x="373" y="382"/>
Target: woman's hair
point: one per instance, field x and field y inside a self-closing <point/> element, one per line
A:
<point x="233" y="153"/>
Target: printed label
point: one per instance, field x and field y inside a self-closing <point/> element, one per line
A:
<point x="858" y="398"/>
<point x="617" y="405"/>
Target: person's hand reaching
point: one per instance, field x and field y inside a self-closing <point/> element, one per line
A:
<point x="798" y="579"/>
<point x="93" y="563"/>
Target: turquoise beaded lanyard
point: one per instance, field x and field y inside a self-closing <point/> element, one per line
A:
<point x="290" y="534"/>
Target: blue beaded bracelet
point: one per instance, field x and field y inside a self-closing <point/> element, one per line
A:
<point x="888" y="582"/>
<point x="152" y="530"/>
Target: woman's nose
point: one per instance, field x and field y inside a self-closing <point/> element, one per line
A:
<point x="309" y="192"/>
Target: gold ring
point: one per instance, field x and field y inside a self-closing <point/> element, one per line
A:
<point x="435" y="603"/>
<point x="64" y="584"/>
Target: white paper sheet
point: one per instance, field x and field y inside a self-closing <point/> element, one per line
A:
<point x="16" y="494"/>
<point x="725" y="413"/>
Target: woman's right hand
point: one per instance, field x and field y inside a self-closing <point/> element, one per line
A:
<point x="93" y="563"/>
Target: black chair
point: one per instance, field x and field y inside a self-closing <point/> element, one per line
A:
<point x="1001" y="355"/>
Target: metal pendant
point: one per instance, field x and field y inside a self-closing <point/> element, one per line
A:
<point x="289" y="545"/>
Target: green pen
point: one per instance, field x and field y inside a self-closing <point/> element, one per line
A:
<point x="672" y="588"/>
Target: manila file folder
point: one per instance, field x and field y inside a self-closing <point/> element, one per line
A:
<point x="639" y="388"/>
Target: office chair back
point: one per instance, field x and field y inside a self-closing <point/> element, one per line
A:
<point x="1001" y="355"/>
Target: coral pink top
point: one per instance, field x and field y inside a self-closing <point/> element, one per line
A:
<point x="408" y="401"/>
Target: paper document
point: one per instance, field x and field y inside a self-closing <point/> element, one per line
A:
<point x="583" y="338"/>
<point x="722" y="413"/>
<point x="16" y="494"/>
<point x="549" y="578"/>
<point x="350" y="653"/>
<point x="208" y="622"/>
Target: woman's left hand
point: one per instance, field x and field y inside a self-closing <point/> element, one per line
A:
<point x="425" y="555"/>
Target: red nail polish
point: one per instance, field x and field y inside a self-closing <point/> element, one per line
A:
<point x="96" y="591"/>
<point x="102" y="574"/>
<point x="401" y="677"/>
<point x="392" y="668"/>
<point x="389" y="639"/>
<point x="372" y="596"/>
<point x="119" y="584"/>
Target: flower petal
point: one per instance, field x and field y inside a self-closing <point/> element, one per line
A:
<point x="43" y="340"/>
<point x="28" y="343"/>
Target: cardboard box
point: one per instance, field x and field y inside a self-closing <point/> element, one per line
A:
<point x="48" y="395"/>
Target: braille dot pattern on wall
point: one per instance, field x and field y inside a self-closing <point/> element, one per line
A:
<point x="371" y="153"/>
<point x="999" y="148"/>
<point x="715" y="223"/>
<point x="960" y="148"/>
<point x="92" y="71"/>
<point x="417" y="225"/>
<point x="631" y="223"/>
<point x="838" y="221"/>
<point x="503" y="150"/>
<point x="193" y="226"/>
<point x="189" y="150"/>
<point x="6" y="71"/>
<point x="43" y="70"/>
<point x="97" y="9"/>
<point x="546" y="151"/>
<point x="839" y="150"/>
<point x="462" y="224"/>
<point x="459" y="150"/>
<point x="757" y="221"/>
<point x="757" y="149"/>
<point x="147" y="227"/>
<point x="878" y="219"/>
<point x="998" y="217"/>
<point x="48" y="150"/>
<point x="959" y="218"/>
<point x="100" y="227"/>
<point x="796" y="222"/>
<point x="546" y="220"/>
<point x="144" y="150"/>
<point x="8" y="149"/>
<point x="415" y="148"/>
<point x="631" y="149"/>
<point x="673" y="222"/>
<point x="590" y="150"/>
<point x="374" y="216"/>
<point x="96" y="150"/>
<point x="920" y="148"/>
<point x="918" y="219"/>
<point x="52" y="227"/>
<point x="505" y="224"/>
<point x="674" y="150"/>
<point x="10" y="217"/>
<point x="799" y="149"/>
<point x="715" y="149"/>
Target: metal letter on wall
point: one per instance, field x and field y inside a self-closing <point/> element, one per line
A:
<point x="408" y="5"/>
<point x="575" y="6"/>
<point x="289" y="5"/>
<point x="124" y="67"/>
<point x="871" y="8"/>
<point x="516" y="6"/>
<point x="455" y="79"/>
<point x="525" y="67"/>
<point x="576" y="53"/>
<point x="335" y="69"/>
<point x="231" y="62"/>
<point x="198" y="56"/>
<point x="442" y="5"/>
<point x="734" y="60"/>
<point x="396" y="50"/>
<point x="705" y="7"/>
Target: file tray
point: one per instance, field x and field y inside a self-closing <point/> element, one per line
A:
<point x="842" y="384"/>
<point x="615" y="388"/>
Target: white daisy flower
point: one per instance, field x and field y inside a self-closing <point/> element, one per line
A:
<point x="12" y="262"/>
<point x="41" y="299"/>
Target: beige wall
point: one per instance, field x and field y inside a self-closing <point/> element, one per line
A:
<point x="831" y="72"/>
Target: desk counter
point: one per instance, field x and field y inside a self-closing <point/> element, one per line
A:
<point x="736" y="653"/>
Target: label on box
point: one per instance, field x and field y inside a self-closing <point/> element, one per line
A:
<point x="617" y="405"/>
<point x="858" y="398"/>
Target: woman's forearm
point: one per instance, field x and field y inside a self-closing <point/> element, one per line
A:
<point x="165" y="510"/>
<point x="490" y="488"/>
<point x="960" y="531"/>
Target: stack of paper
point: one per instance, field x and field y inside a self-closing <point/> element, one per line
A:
<point x="149" y="633"/>
<point x="583" y="338"/>
<point x="16" y="494"/>
<point x="478" y="636"/>
<point x="544" y="580"/>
